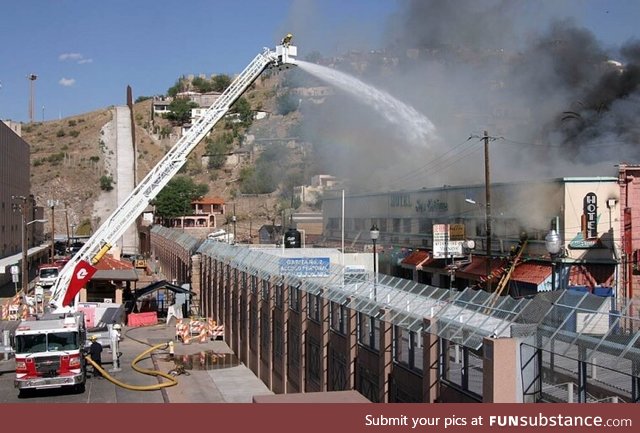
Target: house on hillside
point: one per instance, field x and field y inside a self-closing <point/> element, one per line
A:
<point x="203" y="214"/>
<point x="160" y="105"/>
<point x="311" y="194"/>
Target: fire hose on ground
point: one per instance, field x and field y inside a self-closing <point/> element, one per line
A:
<point x="169" y="377"/>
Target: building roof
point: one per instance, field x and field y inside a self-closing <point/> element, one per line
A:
<point x="531" y="272"/>
<point x="109" y="263"/>
<point x="109" y="268"/>
<point x="164" y="284"/>
<point x="416" y="259"/>
<point x="209" y="200"/>
<point x="478" y="267"/>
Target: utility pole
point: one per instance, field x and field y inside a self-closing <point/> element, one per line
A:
<point x="52" y="204"/>
<point x="32" y="78"/>
<point x="487" y="184"/>
<point x="233" y="218"/>
<point x="66" y="221"/>
<point x="22" y="208"/>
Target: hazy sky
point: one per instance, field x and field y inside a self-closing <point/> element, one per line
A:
<point x="85" y="53"/>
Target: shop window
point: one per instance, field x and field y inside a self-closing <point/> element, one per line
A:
<point x="279" y="291"/>
<point x="294" y="299"/>
<point x="369" y="331"/>
<point x="314" y="307"/>
<point x="338" y="318"/>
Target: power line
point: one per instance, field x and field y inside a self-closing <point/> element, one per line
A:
<point x="558" y="146"/>
<point x="452" y="153"/>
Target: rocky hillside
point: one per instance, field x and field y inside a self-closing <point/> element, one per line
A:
<point x="69" y="157"/>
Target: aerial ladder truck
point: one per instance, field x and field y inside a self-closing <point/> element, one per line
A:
<point x="117" y="223"/>
<point x="59" y="345"/>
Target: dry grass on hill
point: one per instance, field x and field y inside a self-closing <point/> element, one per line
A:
<point x="68" y="160"/>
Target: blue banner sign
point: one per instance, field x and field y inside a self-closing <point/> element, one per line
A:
<point x="305" y="266"/>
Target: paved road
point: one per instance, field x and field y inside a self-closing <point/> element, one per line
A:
<point x="214" y="375"/>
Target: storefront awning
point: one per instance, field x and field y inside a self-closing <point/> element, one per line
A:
<point x="477" y="269"/>
<point x="592" y="274"/>
<point x="416" y="260"/>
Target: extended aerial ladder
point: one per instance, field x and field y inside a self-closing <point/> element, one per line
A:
<point x="127" y="212"/>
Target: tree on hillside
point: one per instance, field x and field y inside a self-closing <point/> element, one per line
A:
<point x="175" y="199"/>
<point x="180" y="110"/>
<point x="218" y="150"/>
<point x="268" y="173"/>
<point x="243" y="108"/>
<point x="257" y="180"/>
<point x="202" y="85"/>
<point x="180" y="85"/>
<point x="220" y="82"/>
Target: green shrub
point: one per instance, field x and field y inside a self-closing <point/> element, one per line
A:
<point x="55" y="158"/>
<point x="106" y="183"/>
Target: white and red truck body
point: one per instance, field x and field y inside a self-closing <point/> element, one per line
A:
<point x="49" y="352"/>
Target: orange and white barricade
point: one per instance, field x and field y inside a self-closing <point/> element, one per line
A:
<point x="204" y="334"/>
<point x="215" y="330"/>
<point x="199" y="330"/>
<point x="11" y="309"/>
<point x="182" y="331"/>
<point x="194" y="329"/>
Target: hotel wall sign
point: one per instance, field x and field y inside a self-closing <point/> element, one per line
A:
<point x="400" y="200"/>
<point x="590" y="216"/>
<point x="588" y="237"/>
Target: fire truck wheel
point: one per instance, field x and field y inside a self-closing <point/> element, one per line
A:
<point x="24" y="393"/>
<point x="79" y="388"/>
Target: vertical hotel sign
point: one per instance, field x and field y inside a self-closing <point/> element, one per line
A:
<point x="587" y="237"/>
<point x="590" y="216"/>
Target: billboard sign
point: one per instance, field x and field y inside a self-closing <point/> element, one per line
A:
<point x="305" y="267"/>
<point x="448" y="240"/>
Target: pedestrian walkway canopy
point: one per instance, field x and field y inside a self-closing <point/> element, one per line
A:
<point x="158" y="285"/>
<point x="7" y="262"/>
<point x="573" y="324"/>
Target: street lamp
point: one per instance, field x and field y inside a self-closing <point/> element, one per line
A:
<point x="553" y="244"/>
<point x="375" y="233"/>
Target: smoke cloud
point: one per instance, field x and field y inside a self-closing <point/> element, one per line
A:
<point x="557" y="102"/>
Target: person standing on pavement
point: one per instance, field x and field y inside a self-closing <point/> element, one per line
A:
<point x="95" y="351"/>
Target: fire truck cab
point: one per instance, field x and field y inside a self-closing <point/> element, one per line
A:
<point x="49" y="352"/>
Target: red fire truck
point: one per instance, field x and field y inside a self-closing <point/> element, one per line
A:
<point x="48" y="352"/>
